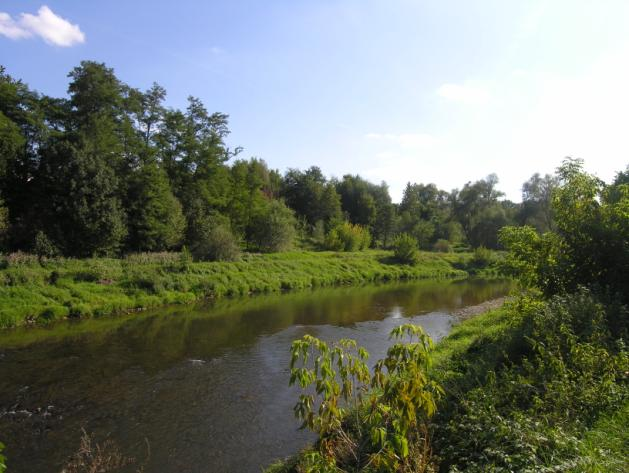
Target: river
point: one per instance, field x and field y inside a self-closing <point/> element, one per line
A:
<point x="195" y="388"/>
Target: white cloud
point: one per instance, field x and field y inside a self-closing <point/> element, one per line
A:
<point x="10" y="29"/>
<point x="52" y="28"/>
<point x="466" y="94"/>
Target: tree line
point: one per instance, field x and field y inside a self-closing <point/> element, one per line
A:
<point x="111" y="169"/>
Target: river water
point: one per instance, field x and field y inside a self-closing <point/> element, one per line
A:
<point x="195" y="388"/>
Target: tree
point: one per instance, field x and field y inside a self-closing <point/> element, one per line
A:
<point x="78" y="201"/>
<point x="622" y="177"/>
<point x="156" y="220"/>
<point x="357" y="200"/>
<point x="424" y="213"/>
<point x="151" y="112"/>
<point x="536" y="209"/>
<point x="477" y="209"/>
<point x="311" y="196"/>
<point x="589" y="244"/>
<point x="11" y="144"/>
<point x="22" y="130"/>
<point x="100" y="120"/>
<point x="273" y="229"/>
<point x="248" y="197"/>
<point x="192" y="150"/>
<point x="386" y="218"/>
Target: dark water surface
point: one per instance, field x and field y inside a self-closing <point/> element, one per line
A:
<point x="195" y="389"/>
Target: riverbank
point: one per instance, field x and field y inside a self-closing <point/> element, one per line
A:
<point x="34" y="293"/>
<point x="533" y="385"/>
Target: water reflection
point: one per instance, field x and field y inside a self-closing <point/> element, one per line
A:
<point x="205" y="386"/>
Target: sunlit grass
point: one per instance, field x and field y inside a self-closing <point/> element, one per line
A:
<point x="34" y="293"/>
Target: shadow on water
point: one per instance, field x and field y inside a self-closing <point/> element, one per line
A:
<point x="205" y="386"/>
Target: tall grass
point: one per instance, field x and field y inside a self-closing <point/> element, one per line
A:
<point x="34" y="292"/>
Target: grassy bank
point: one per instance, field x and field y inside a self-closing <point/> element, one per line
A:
<point x="31" y="292"/>
<point x="534" y="386"/>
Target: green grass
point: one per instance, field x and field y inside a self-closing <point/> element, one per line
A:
<point x="476" y="346"/>
<point x="34" y="293"/>
<point x="485" y="356"/>
<point x="605" y="447"/>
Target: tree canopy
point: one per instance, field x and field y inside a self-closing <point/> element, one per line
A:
<point x="112" y="169"/>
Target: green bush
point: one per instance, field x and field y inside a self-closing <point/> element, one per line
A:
<point x="481" y="258"/>
<point x="405" y="249"/>
<point x="273" y="229"/>
<point x="215" y="243"/>
<point x="348" y="237"/>
<point x="44" y="248"/>
<point x="442" y="246"/>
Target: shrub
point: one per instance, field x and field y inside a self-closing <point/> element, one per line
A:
<point x="348" y="237"/>
<point x="274" y="229"/>
<point x="481" y="258"/>
<point x="405" y="249"/>
<point x="215" y="243"/>
<point x="358" y="427"/>
<point x="44" y="248"/>
<point x="442" y="246"/>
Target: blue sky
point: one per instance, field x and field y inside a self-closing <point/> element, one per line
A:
<point x="396" y="90"/>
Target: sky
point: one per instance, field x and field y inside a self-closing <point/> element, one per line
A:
<point x="436" y="91"/>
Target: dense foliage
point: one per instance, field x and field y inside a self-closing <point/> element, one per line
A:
<point x="111" y="170"/>
<point x="348" y="237"/>
<point x="529" y="393"/>
<point x="590" y="245"/>
<point x="540" y="385"/>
